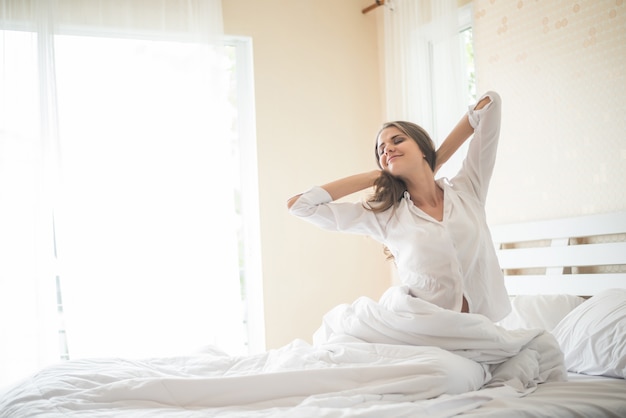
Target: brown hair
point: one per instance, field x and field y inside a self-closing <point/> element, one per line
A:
<point x="388" y="189"/>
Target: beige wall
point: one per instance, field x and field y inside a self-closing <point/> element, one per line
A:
<point x="560" y="67"/>
<point x="318" y="107"/>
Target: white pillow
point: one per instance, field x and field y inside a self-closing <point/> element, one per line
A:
<point x="593" y="336"/>
<point x="539" y="311"/>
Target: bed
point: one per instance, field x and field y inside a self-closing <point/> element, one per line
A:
<point x="560" y="353"/>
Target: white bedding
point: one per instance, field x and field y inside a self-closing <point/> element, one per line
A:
<point x="399" y="357"/>
<point x="580" y="396"/>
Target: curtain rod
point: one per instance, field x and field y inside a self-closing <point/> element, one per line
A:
<point x="373" y="6"/>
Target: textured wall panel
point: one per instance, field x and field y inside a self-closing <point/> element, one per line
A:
<point x="560" y="67"/>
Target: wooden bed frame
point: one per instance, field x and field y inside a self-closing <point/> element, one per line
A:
<point x="580" y="255"/>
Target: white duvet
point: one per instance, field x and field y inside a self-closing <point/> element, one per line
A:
<point x="397" y="357"/>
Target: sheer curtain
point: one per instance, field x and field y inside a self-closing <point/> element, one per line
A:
<point x="423" y="67"/>
<point x="117" y="214"/>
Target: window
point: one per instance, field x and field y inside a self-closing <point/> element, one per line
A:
<point x="458" y="88"/>
<point x="467" y="51"/>
<point x="147" y="201"/>
<point x="467" y="45"/>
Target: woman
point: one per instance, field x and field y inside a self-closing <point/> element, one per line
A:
<point x="436" y="230"/>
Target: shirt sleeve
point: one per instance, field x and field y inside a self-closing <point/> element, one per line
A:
<point x="481" y="155"/>
<point x="316" y="206"/>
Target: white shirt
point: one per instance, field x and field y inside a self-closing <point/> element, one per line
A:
<point x="439" y="261"/>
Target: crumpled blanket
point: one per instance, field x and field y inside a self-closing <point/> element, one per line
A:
<point x="519" y="358"/>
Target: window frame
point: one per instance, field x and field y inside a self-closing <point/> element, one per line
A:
<point x="254" y="315"/>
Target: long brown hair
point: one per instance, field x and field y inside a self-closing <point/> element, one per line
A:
<point x="388" y="189"/>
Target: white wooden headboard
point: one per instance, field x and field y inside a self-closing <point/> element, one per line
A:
<point x="580" y="255"/>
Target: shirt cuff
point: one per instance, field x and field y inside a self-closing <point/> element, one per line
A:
<point x="311" y="198"/>
<point x="473" y="115"/>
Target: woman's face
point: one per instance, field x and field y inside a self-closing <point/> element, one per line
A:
<point x="397" y="152"/>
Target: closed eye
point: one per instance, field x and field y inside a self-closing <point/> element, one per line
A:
<point x="396" y="140"/>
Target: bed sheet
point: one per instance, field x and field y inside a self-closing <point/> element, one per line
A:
<point x="579" y="396"/>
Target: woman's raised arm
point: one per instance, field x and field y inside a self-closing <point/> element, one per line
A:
<point x="345" y="186"/>
<point x="457" y="137"/>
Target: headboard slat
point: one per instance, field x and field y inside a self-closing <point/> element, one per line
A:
<point x="574" y="227"/>
<point x="578" y="284"/>
<point x="579" y="258"/>
<point x="569" y="256"/>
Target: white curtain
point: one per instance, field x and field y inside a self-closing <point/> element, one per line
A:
<point x="423" y="66"/>
<point x="115" y="165"/>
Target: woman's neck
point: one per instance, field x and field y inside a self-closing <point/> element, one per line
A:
<point x="428" y="196"/>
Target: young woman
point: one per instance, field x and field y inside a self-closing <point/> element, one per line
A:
<point x="436" y="230"/>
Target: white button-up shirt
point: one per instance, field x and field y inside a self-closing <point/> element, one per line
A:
<point x="439" y="261"/>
